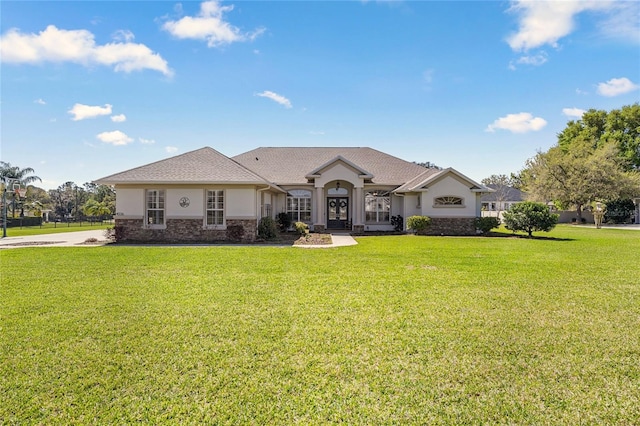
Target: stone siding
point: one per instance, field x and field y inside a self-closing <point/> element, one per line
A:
<point x="452" y="226"/>
<point x="185" y="231"/>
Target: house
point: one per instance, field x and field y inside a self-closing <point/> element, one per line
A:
<point x="205" y="196"/>
<point x="501" y="199"/>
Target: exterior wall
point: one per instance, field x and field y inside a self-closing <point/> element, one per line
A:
<point x="185" y="231"/>
<point x="240" y="203"/>
<point x="195" y="209"/>
<point x="130" y="202"/>
<point x="450" y="186"/>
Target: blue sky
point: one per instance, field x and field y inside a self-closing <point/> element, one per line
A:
<point x="93" y="88"/>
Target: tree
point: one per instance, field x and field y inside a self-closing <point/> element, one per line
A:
<point x="619" y="211"/>
<point x="620" y="126"/>
<point x="103" y="194"/>
<point x="502" y="185"/>
<point x="22" y="176"/>
<point x="529" y="217"/>
<point x="96" y="208"/>
<point x="67" y="199"/>
<point x="578" y="174"/>
<point x="428" y="165"/>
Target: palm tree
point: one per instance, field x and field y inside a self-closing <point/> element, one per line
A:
<point x="96" y="208"/>
<point x="21" y="176"/>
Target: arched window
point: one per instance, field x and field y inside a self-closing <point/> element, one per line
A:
<point x="299" y="205"/>
<point x="377" y="206"/>
<point x="448" y="201"/>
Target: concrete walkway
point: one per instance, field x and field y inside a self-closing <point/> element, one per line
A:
<point x="337" y="240"/>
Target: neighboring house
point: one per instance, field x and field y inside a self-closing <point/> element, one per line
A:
<point x="636" y="215"/>
<point x="503" y="197"/>
<point x="205" y="196"/>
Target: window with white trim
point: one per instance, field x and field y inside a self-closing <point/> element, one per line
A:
<point x="155" y="208"/>
<point x="377" y="206"/>
<point x="299" y="205"/>
<point x="448" y="201"/>
<point x="215" y="207"/>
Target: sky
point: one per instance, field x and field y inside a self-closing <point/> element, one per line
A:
<point x="92" y="88"/>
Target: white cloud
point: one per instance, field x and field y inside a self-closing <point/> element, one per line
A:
<point x="517" y="123"/>
<point x="276" y="98"/>
<point x="78" y="46"/>
<point x="622" y="21"/>
<point x="573" y="112"/>
<point x="209" y="25"/>
<point x="533" y="60"/>
<point x="80" y="111"/>
<point x="118" y="118"/>
<point x="545" y="22"/>
<point x="146" y="141"/>
<point x="39" y="101"/>
<point x="581" y="92"/>
<point x="171" y="149"/>
<point x="123" y="36"/>
<point x="115" y="138"/>
<point x="616" y="86"/>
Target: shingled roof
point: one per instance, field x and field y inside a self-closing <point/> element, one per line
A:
<point x="290" y="165"/>
<point x="205" y="165"/>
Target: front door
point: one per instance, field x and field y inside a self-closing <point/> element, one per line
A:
<point x="337" y="212"/>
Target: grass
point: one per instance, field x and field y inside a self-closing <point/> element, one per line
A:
<point x="56" y="228"/>
<point x="395" y="330"/>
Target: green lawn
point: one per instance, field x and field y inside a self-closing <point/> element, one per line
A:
<point x="395" y="330"/>
<point x="55" y="228"/>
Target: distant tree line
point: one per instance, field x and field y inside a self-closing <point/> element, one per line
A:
<point x="68" y="202"/>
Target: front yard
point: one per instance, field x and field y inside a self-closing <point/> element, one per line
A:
<point x="395" y="330"/>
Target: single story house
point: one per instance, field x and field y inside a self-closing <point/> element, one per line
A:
<point x="204" y="195"/>
<point x="503" y="197"/>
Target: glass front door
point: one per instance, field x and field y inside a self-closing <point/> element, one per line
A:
<point x="337" y="212"/>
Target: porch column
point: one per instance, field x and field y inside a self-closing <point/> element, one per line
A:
<point x="319" y="208"/>
<point x="359" y="207"/>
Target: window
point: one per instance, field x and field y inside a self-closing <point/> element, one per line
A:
<point x="215" y="207"/>
<point x="448" y="201"/>
<point x="377" y="206"/>
<point x="299" y="205"/>
<point x="155" y="208"/>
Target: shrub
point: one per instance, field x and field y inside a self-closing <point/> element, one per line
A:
<point x="529" y="216"/>
<point x="619" y="211"/>
<point x="267" y="228"/>
<point x="284" y="221"/>
<point x="486" y="224"/>
<point x="397" y="223"/>
<point x="115" y="234"/>
<point x="418" y="224"/>
<point x="301" y="228"/>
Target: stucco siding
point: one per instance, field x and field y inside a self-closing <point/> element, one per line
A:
<point x="449" y="186"/>
<point x="130" y="202"/>
<point x="240" y="202"/>
<point x="195" y="198"/>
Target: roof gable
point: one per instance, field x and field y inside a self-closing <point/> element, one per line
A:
<point x="433" y="176"/>
<point x="205" y="165"/>
<point x="339" y="159"/>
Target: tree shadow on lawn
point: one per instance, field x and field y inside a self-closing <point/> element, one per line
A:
<point x="524" y="236"/>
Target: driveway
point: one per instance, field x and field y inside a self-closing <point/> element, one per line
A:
<point x="63" y="239"/>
